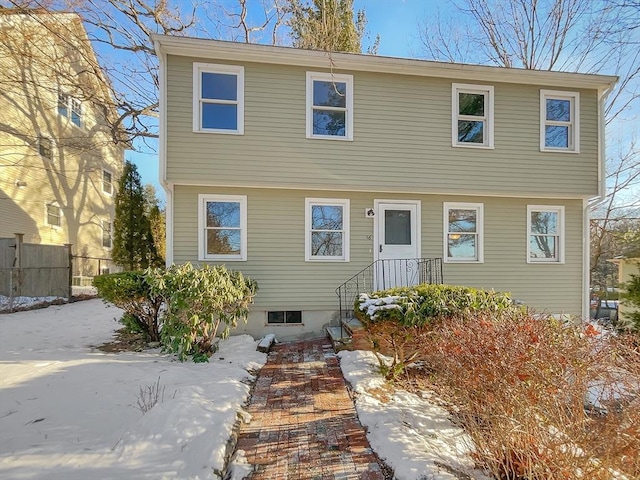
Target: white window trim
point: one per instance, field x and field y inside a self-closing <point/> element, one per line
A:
<point x="487" y="91"/>
<point x="346" y="225"/>
<point x="546" y="208"/>
<point x="102" y="222"/>
<point x="103" y="184"/>
<point x="330" y="77"/>
<point x="70" y="99"/>
<point x="479" y="208"/>
<point x="574" y="126"/>
<point x="202" y="232"/>
<point x="198" y="70"/>
<point x="46" y="215"/>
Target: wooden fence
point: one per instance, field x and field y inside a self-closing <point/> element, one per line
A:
<point x="34" y="270"/>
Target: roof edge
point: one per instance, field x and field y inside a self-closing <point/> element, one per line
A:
<point x="245" y="52"/>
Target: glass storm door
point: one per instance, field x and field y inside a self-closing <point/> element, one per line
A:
<point x="398" y="250"/>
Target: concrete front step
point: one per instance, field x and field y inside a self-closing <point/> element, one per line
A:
<point x="350" y="334"/>
<point x="352" y="324"/>
<point x="338" y="335"/>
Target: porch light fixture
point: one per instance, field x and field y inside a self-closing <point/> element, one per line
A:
<point x="21" y="183"/>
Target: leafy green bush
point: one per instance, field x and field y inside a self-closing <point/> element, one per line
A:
<point x="131" y="292"/>
<point x="200" y="302"/>
<point x="420" y="304"/>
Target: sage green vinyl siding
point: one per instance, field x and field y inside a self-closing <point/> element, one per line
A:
<point x="402" y="139"/>
<point x="276" y="239"/>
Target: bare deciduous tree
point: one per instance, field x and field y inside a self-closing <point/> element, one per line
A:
<point x="600" y="36"/>
<point x="121" y="30"/>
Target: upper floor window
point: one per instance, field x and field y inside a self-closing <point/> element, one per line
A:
<point x="223" y="227"/>
<point x="559" y="121"/>
<point x="329" y="106"/>
<point x="45" y="147"/>
<point x="107" y="233"/>
<point x="463" y="224"/>
<point x="545" y="234"/>
<point x="107" y="182"/>
<point x="218" y="98"/>
<point x="53" y="214"/>
<point x="327" y="229"/>
<point x="71" y="108"/>
<point x="472" y="114"/>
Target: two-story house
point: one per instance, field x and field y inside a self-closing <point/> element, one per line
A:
<point x="302" y="168"/>
<point x="59" y="163"/>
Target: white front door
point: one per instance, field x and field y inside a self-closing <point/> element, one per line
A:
<point x="397" y="243"/>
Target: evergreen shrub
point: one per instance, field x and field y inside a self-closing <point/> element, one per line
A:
<point x="201" y="304"/>
<point x="131" y="292"/>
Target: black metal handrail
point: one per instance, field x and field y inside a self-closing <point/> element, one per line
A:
<point x="384" y="274"/>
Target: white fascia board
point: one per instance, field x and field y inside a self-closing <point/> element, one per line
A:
<point x="243" y="52"/>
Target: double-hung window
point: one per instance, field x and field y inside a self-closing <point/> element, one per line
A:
<point x="223" y="227"/>
<point x="218" y="98"/>
<point x="71" y="108"/>
<point x="329" y="106"/>
<point x="107" y="233"/>
<point x="559" y="121"/>
<point x="545" y="234"/>
<point x="463" y="230"/>
<point x="107" y="182"/>
<point x="472" y="115"/>
<point x="326" y="230"/>
<point x="53" y="214"/>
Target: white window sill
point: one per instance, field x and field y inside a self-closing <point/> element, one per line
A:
<point x="222" y="132"/>
<point x="542" y="262"/>
<point x="471" y="145"/>
<point x="330" y="137"/>
<point x="451" y="260"/>
<point x="558" y="150"/>
<point x="326" y="260"/>
<point x="221" y="258"/>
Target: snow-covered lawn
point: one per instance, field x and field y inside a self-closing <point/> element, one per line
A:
<point x="69" y="411"/>
<point x="411" y="433"/>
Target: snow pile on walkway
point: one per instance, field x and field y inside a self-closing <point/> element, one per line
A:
<point x="412" y="434"/>
<point x="70" y="411"/>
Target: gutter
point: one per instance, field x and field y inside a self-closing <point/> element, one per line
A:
<point x="242" y="53"/>
<point x="588" y="205"/>
<point x="162" y="152"/>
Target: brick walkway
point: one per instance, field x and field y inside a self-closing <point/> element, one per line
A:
<point x="304" y="424"/>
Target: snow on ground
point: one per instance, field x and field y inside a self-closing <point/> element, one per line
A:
<point x="69" y="411"/>
<point x="411" y="434"/>
<point x="9" y="304"/>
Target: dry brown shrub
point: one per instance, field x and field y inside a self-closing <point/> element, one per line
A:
<point x="518" y="385"/>
<point x="403" y="344"/>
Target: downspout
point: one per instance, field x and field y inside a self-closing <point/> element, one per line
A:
<point x="162" y="153"/>
<point x="589" y="204"/>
